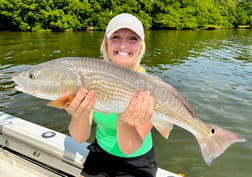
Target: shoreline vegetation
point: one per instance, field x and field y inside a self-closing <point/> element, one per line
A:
<point x="79" y="15"/>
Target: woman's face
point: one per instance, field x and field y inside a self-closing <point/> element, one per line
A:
<point x="123" y="47"/>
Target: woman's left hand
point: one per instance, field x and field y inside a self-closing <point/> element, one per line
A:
<point x="140" y="110"/>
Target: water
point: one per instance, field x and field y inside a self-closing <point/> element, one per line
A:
<point x="212" y="69"/>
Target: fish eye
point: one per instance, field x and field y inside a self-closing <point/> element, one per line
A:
<point x="213" y="130"/>
<point x="32" y="75"/>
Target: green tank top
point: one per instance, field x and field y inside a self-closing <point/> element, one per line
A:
<point x="106" y="135"/>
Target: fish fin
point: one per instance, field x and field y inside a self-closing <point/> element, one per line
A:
<point x="216" y="142"/>
<point x="61" y="102"/>
<point x="164" y="130"/>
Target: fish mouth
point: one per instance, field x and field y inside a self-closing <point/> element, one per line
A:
<point x="21" y="89"/>
<point x="18" y="86"/>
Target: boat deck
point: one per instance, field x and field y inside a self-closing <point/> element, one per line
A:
<point x="27" y="149"/>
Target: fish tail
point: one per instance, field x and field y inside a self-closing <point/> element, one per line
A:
<point x="216" y="142"/>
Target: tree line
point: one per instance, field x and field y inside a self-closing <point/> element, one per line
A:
<point x="64" y="15"/>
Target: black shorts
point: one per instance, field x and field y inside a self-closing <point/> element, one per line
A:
<point x="99" y="163"/>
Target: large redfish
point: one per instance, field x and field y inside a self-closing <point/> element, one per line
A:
<point x="114" y="87"/>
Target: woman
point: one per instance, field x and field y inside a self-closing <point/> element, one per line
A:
<point x="123" y="145"/>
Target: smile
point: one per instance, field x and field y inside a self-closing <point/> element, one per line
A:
<point x="123" y="53"/>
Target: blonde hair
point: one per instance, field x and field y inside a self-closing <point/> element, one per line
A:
<point x="138" y="68"/>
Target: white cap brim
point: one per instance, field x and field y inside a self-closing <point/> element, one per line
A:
<point x="123" y="21"/>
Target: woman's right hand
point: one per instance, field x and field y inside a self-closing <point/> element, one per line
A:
<point x="82" y="104"/>
<point x="81" y="111"/>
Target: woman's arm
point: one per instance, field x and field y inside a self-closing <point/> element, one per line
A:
<point x="134" y="124"/>
<point x="81" y="110"/>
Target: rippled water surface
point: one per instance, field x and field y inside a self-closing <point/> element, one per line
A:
<point x="212" y="69"/>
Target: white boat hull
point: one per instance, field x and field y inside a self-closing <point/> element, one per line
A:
<point x="27" y="149"/>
